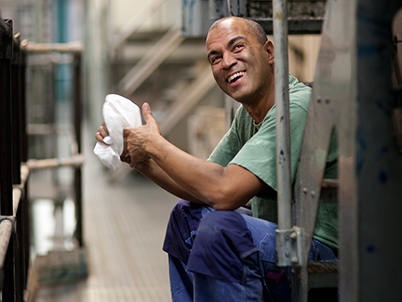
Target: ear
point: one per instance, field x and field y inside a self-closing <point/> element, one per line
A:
<point x="269" y="49"/>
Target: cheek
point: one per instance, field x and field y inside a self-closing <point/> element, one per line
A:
<point x="217" y="76"/>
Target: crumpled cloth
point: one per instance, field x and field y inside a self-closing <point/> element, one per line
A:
<point x="118" y="113"/>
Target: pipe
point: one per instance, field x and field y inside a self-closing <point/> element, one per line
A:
<point x="282" y="113"/>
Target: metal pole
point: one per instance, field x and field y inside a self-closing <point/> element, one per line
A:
<point x="15" y="95"/>
<point x="282" y="113"/>
<point x="25" y="207"/>
<point x="77" y="125"/>
<point x="6" y="187"/>
<point x="16" y="166"/>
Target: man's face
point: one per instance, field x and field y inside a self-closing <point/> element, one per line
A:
<point x="240" y="64"/>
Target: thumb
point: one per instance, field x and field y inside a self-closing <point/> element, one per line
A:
<point x="147" y="113"/>
<point x="149" y="118"/>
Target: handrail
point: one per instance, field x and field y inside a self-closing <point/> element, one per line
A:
<point x="7" y="226"/>
<point x="74" y="161"/>
<point x="71" y="47"/>
<point x="6" y="230"/>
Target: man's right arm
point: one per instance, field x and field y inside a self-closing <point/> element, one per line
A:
<point x="152" y="171"/>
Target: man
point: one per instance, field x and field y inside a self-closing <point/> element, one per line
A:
<point x="215" y="252"/>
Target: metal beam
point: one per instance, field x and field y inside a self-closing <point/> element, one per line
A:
<point x="187" y="100"/>
<point x="135" y="23"/>
<point x="306" y="26"/>
<point x="148" y="64"/>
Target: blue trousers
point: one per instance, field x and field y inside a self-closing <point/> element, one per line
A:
<point x="226" y="256"/>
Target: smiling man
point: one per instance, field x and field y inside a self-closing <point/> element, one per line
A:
<point x="217" y="251"/>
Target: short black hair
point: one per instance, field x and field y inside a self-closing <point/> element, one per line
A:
<point x="253" y="26"/>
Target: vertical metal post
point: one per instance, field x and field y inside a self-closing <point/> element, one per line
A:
<point x="282" y="113"/>
<point x="237" y="8"/>
<point x="24" y="206"/>
<point x="217" y="9"/>
<point x="19" y="246"/>
<point x="15" y="96"/>
<point x="77" y="125"/>
<point x="6" y="196"/>
<point x="23" y="119"/>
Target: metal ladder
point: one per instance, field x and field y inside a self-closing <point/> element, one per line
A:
<point x="355" y="98"/>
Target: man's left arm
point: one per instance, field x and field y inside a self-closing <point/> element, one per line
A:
<point x="223" y="188"/>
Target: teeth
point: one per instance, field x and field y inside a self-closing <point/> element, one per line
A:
<point x="237" y="74"/>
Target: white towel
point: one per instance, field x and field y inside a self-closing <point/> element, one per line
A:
<point x="118" y="113"/>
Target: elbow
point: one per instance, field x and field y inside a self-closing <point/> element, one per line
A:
<point x="223" y="200"/>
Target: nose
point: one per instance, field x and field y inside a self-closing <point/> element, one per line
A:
<point x="228" y="60"/>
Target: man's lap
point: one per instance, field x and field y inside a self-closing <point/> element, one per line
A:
<point x="243" y="233"/>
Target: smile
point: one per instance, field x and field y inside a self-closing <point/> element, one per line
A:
<point x="234" y="77"/>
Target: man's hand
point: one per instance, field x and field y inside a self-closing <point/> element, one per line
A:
<point x="102" y="133"/>
<point x="139" y="140"/>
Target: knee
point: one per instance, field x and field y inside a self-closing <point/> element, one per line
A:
<point x="181" y="229"/>
<point x="223" y="230"/>
<point x="214" y="225"/>
<point x="224" y="240"/>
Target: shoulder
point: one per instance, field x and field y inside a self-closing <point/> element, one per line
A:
<point x="299" y="94"/>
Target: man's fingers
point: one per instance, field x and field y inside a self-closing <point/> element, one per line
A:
<point x="103" y="131"/>
<point x="100" y="138"/>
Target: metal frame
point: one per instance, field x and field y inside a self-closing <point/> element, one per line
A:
<point x="353" y="94"/>
<point x="15" y="166"/>
<point x="378" y="166"/>
<point x="77" y="159"/>
<point x="14" y="258"/>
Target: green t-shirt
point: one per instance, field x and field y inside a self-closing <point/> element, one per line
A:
<point x="253" y="147"/>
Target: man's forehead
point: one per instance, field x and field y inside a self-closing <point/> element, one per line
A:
<point x="230" y="25"/>
<point x="229" y="28"/>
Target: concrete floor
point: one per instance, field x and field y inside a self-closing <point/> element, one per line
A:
<point x="124" y="227"/>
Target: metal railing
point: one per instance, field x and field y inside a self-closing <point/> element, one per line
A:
<point x="15" y="167"/>
<point x="76" y="159"/>
<point x="14" y="249"/>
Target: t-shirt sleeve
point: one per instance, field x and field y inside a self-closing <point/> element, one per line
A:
<point x="228" y="146"/>
<point x="258" y="155"/>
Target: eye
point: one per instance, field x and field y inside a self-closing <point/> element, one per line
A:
<point x="238" y="47"/>
<point x="215" y="59"/>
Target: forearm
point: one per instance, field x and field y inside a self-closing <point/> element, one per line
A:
<point x="155" y="173"/>
<point x="206" y="181"/>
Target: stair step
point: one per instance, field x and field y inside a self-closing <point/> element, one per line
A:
<point x="323" y="274"/>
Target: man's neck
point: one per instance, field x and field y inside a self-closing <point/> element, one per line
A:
<point x="259" y="109"/>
